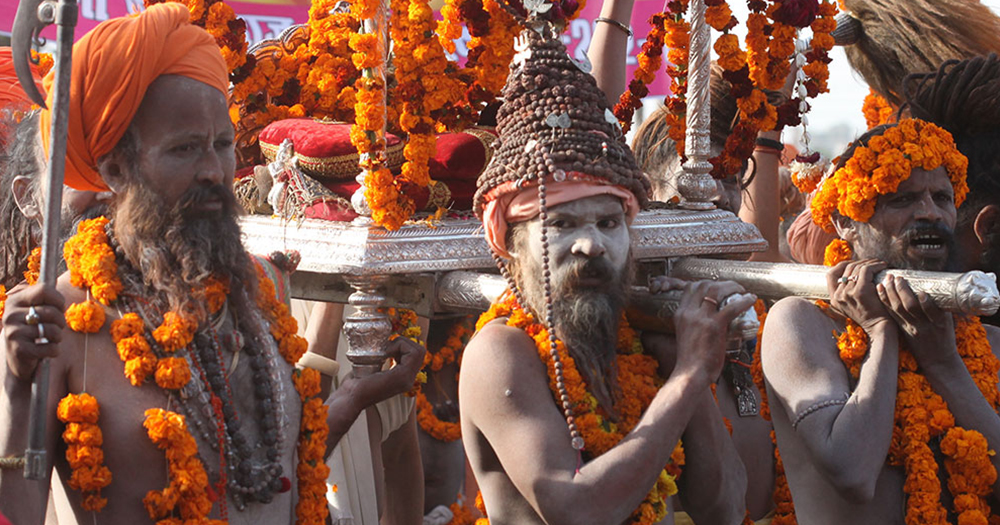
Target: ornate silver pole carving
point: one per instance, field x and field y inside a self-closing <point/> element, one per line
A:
<point x="471" y="291"/>
<point x="367" y="329"/>
<point x="972" y="293"/>
<point x="695" y="184"/>
<point x="369" y="162"/>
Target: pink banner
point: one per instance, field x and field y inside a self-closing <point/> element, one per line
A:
<point x="267" y="18"/>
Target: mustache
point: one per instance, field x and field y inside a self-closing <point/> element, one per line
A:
<point x="928" y="228"/>
<point x="598" y="268"/>
<point x="198" y="195"/>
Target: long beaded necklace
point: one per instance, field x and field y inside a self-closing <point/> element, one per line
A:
<point x="208" y="402"/>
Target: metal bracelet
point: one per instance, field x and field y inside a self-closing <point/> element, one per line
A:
<point x="615" y="23"/>
<point x="12" y="463"/>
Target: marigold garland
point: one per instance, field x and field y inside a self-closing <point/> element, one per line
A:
<point x="880" y="166"/>
<point x="188" y="489"/>
<point x="187" y="492"/>
<point x="220" y="21"/>
<point x="91" y="261"/>
<point x="450" y="352"/>
<point x="649" y="60"/>
<point x="86" y="317"/>
<point x="920" y="416"/>
<point x="836" y="252"/>
<point x="784" y="509"/>
<point x="83" y="438"/>
<point x="638" y="382"/>
<point x="877" y="110"/>
<point x="461" y="515"/>
<point x="34" y="266"/>
<point x="312" y="471"/>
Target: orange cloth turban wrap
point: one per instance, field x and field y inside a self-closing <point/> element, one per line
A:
<point x="11" y="94"/>
<point x="507" y="204"/>
<point x="113" y="65"/>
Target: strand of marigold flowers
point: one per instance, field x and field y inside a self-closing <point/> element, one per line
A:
<point x="877" y="110"/>
<point x="86" y="255"/>
<point x="219" y="19"/>
<point x="381" y="193"/>
<point x="784" y="509"/>
<point x="650" y="58"/>
<point x="677" y="38"/>
<point x="311" y="508"/>
<point x="450" y="352"/>
<point x="634" y="371"/>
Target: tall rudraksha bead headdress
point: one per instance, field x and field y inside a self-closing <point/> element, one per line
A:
<point x="559" y="142"/>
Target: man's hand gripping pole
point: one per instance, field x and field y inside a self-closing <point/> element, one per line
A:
<point x="33" y="16"/>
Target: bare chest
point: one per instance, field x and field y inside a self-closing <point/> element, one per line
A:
<point x="138" y="466"/>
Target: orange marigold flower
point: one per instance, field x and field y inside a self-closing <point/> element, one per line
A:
<point x="78" y="408"/>
<point x="837" y="251"/>
<point x="175" y="332"/>
<point x="86" y="317"/>
<point x="172" y="373"/>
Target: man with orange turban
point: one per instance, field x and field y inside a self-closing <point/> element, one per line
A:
<point x="175" y="378"/>
<point x="555" y="373"/>
<point x="895" y="417"/>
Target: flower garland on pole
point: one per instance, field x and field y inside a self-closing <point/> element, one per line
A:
<point x="220" y="21"/>
<point x="650" y="58"/>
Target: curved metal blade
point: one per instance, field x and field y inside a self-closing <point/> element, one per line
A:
<point x="26" y="27"/>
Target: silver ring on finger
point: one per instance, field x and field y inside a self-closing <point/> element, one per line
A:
<point x="853" y="278"/>
<point x="41" y="339"/>
<point x="710" y="301"/>
<point x="32" y="318"/>
<point x="843" y="280"/>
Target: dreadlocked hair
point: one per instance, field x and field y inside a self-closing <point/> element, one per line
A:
<point x="19" y="157"/>
<point x="902" y="37"/>
<point x="963" y="97"/>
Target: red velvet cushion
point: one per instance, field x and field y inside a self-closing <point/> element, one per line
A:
<point x="324" y="149"/>
<point x="459" y="160"/>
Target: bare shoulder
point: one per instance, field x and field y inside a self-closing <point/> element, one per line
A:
<point x="496" y="358"/>
<point x="799" y="354"/>
<point x="794" y="321"/>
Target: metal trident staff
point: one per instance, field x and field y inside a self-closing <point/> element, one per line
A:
<point x="33" y="16"/>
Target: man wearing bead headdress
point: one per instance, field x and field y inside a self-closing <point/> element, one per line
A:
<point x="578" y="426"/>
<point x="893" y="417"/>
<point x="209" y="419"/>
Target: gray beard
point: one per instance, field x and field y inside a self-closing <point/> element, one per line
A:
<point x="587" y="321"/>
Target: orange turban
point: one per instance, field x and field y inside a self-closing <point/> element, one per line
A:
<point x="11" y="94"/>
<point x="507" y="204"/>
<point x="113" y="65"/>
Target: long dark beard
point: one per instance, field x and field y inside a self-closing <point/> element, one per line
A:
<point x="586" y="319"/>
<point x="175" y="250"/>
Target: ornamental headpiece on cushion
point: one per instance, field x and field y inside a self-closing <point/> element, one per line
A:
<point x="878" y="166"/>
<point x="555" y="121"/>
